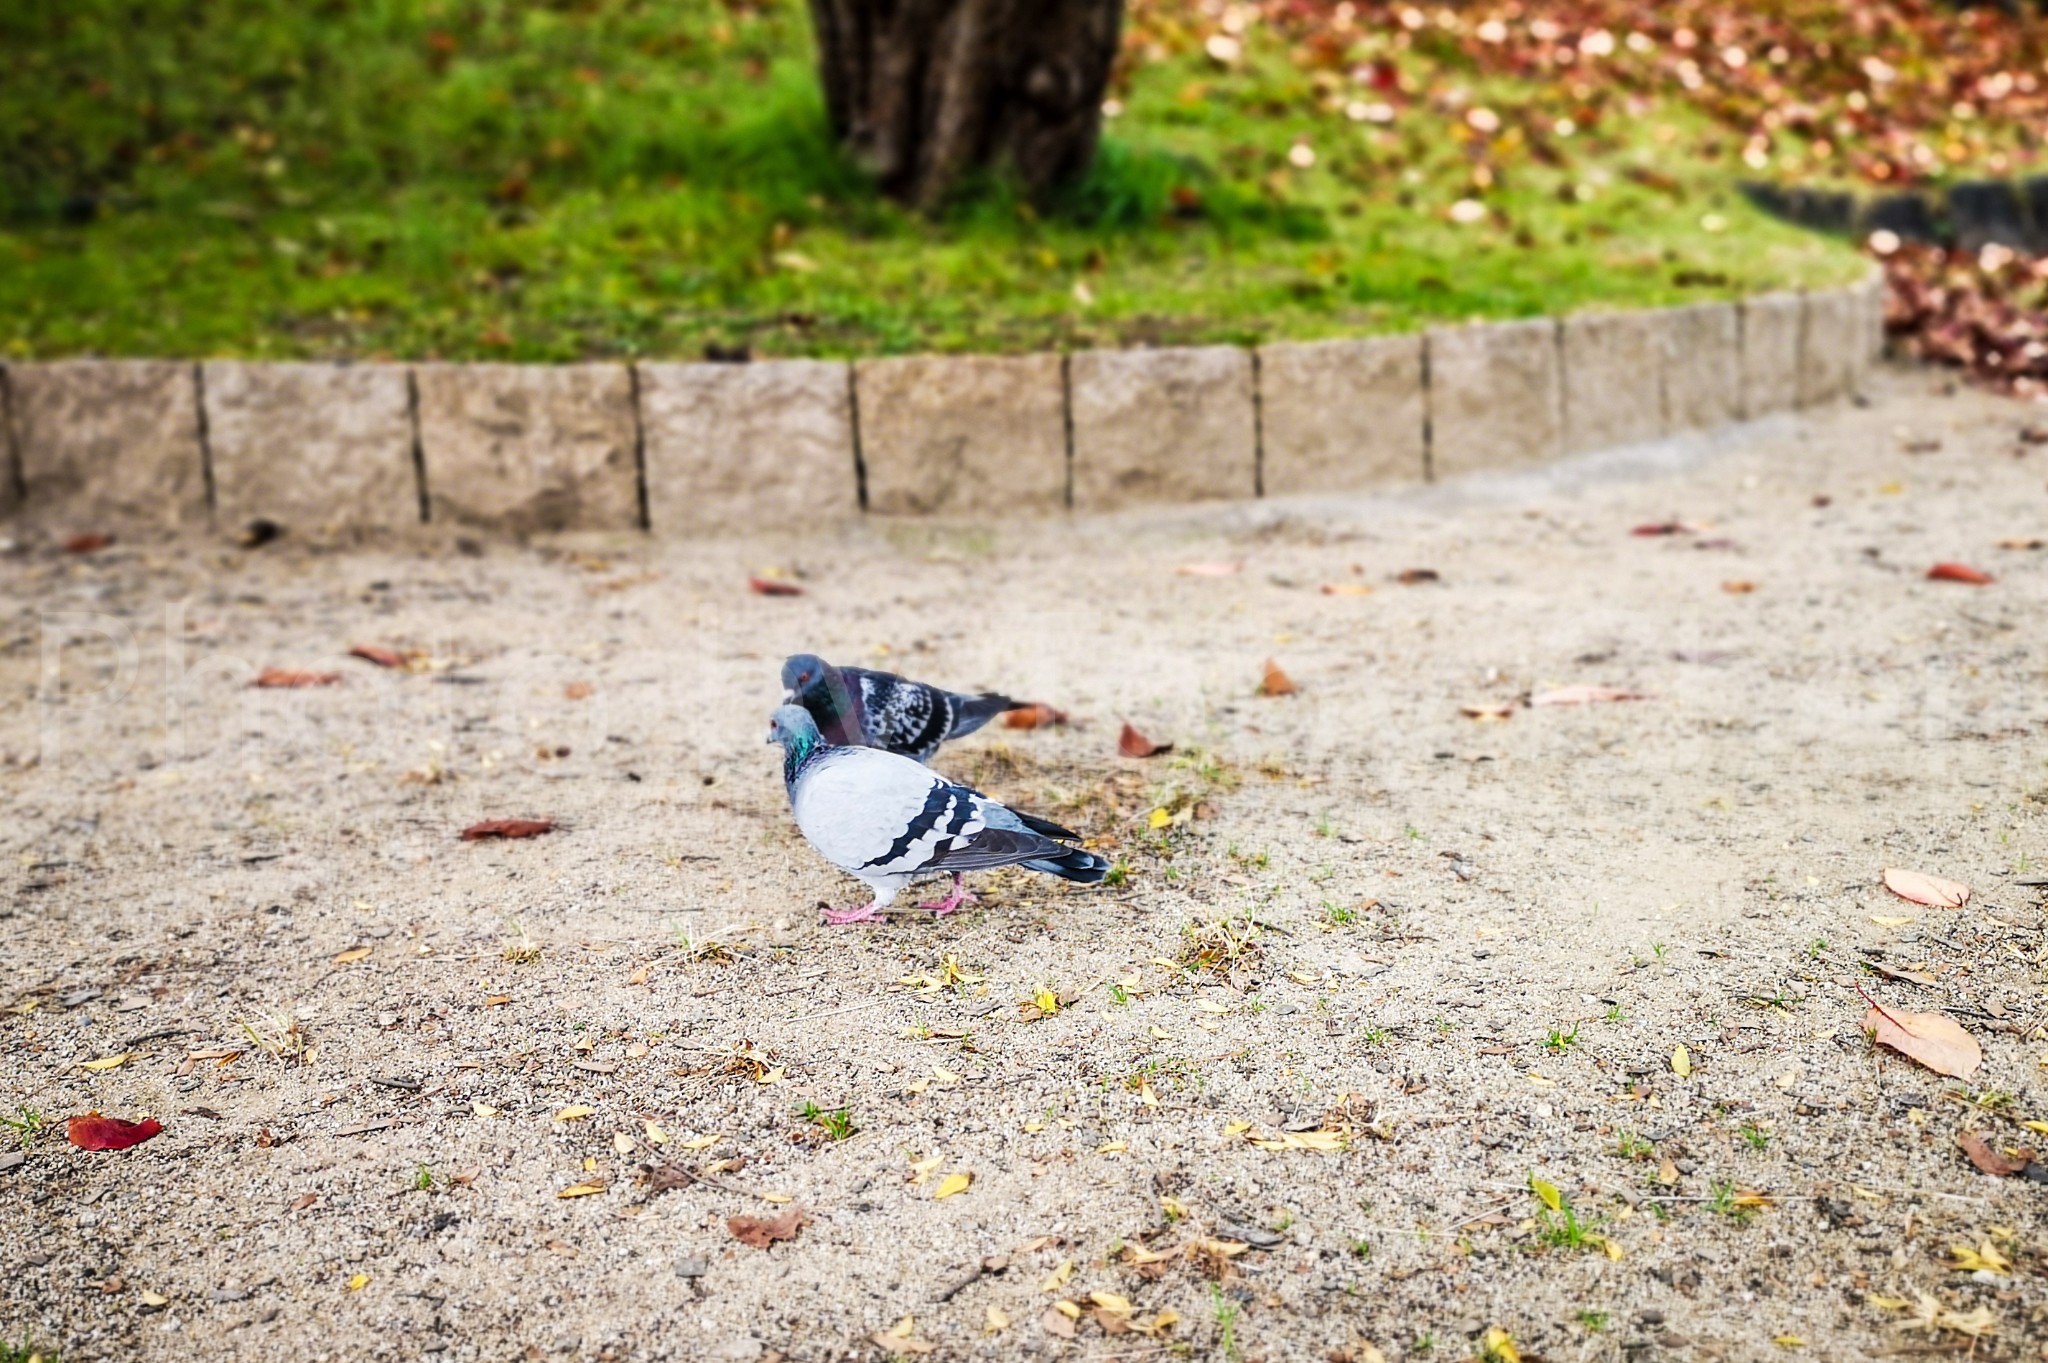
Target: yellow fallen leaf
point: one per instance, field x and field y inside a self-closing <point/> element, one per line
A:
<point x="482" y="1108"/>
<point x="995" y="1322"/>
<point x="1110" y="1301"/>
<point x="1112" y="1147"/>
<point x="1158" y="1035"/>
<point x="575" y="1112"/>
<point x="1169" y="1318"/>
<point x="622" y="1143"/>
<point x="1681" y="1063"/>
<point x="2038" y="1128"/>
<point x="917" y="1085"/>
<point x="1304" y="977"/>
<point x="1984" y="1258"/>
<point x="901" y="1329"/>
<point x="952" y="1183"/>
<point x="352" y="955"/>
<point x="778" y="1198"/>
<point x="1546" y="1193"/>
<point x="1498" y="1346"/>
<point x="1890" y="922"/>
<point x="584" y="1189"/>
<point x="944" y="1076"/>
<point x="154" y="1299"/>
<point x="1159" y="818"/>
<point x="773" y="1076"/>
<point x="655" y="1135"/>
<point x="359" y="1282"/>
<point x="1209" y="1006"/>
<point x="1057" y="1279"/>
<point x="1612" y="1250"/>
<point x="700" y="1142"/>
<point x="1788" y="1341"/>
<point x="1070" y="1310"/>
<point x="1046" y="999"/>
<point x="1033" y="1128"/>
<point x="1888" y="1303"/>
<point x="109" y="1062"/>
<point x="1236" y="1129"/>
<point x="921" y="1169"/>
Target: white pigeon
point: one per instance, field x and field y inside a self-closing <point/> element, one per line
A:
<point x="888" y="819"/>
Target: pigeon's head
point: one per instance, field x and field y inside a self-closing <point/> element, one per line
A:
<point x="793" y="727"/>
<point x="799" y="670"/>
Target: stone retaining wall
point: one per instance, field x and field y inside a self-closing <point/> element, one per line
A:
<point x="338" y="449"/>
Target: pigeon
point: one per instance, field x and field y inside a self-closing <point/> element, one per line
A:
<point x="887" y="820"/>
<point x="858" y="708"/>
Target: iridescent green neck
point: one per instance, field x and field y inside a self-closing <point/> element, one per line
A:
<point x="798" y="749"/>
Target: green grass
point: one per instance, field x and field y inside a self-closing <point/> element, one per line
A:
<point x="410" y="179"/>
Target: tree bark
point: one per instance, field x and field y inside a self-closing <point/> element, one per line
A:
<point x="924" y="92"/>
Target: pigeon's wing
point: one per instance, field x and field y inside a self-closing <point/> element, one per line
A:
<point x="874" y="813"/>
<point x="971" y="712"/>
<point x="900" y="715"/>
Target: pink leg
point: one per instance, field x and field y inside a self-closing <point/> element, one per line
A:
<point x="866" y="913"/>
<point x="960" y="895"/>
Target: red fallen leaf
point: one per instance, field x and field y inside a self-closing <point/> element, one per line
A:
<point x="94" y="1132"/>
<point x="89" y="543"/>
<point x="507" y="828"/>
<point x="763" y="1231"/>
<point x="1276" y="683"/>
<point x="1993" y="1162"/>
<point x="1918" y="887"/>
<point x="1959" y="572"/>
<point x="1583" y="695"/>
<point x="773" y="586"/>
<point x="1134" y="744"/>
<point x="1033" y="716"/>
<point x="1665" y="528"/>
<point x="378" y="654"/>
<point x="286" y="678"/>
<point x="1408" y="577"/>
<point x="1935" y="1041"/>
<point x="1209" y="569"/>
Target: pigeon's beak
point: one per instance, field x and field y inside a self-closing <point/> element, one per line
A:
<point x="789" y="697"/>
<point x="773" y="738"/>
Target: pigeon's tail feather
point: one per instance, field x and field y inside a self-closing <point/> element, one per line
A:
<point x="1046" y="827"/>
<point x="1073" y="864"/>
<point x="975" y="711"/>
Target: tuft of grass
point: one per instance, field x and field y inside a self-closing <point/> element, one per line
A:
<point x="1220" y="944"/>
<point x="1758" y="1138"/>
<point x="1562" y="1040"/>
<point x="1634" y="1147"/>
<point x="1226" y="1310"/>
<point x="24" y="1352"/>
<point x="27" y="1124"/>
<point x="423" y="1180"/>
<point x="836" y="1125"/>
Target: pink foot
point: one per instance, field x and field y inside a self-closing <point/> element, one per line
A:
<point x="961" y="895"/>
<point x="869" y="912"/>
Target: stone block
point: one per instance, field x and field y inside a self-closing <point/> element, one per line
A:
<point x="105" y="442"/>
<point x="1496" y="399"/>
<point x="1772" y="324"/>
<point x="1162" y="426"/>
<point x="1341" y="416"/>
<point x="1702" y="364"/>
<point x="314" y="447"/>
<point x="1612" y="383"/>
<point x="963" y="434"/>
<point x="526" y="448"/>
<point x="738" y="446"/>
<point x="1832" y="346"/>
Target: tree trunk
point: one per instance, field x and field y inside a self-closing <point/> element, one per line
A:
<point x="922" y="92"/>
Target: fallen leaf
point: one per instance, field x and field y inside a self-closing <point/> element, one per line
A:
<point x="761" y="1231"/>
<point x="1546" y="1192"/>
<point x="769" y="586"/>
<point x="106" y="1062"/>
<point x="1057" y="1279"/>
<point x="952" y="1184"/>
<point x="482" y="1108"/>
<point x="90" y="542"/>
<point x="507" y="828"/>
<point x="358" y="1282"/>
<point x="1497" y="1346"/>
<point x="901" y="1338"/>
<point x="580" y="690"/>
<point x="1209" y="569"/>
<point x="1959" y="572"/>
<point x="378" y="654"/>
<point x="1276" y="682"/>
<point x="584" y="1189"/>
<point x="1920" y="888"/>
<point x="1488" y="713"/>
<point x="1583" y="695"/>
<point x="1993" y="1162"/>
<point x="2015" y="542"/>
<point x="575" y="1112"/>
<point x="1738" y="587"/>
<point x="1409" y="577"/>
<point x="352" y="955"/>
<point x="94" y="1132"/>
<point x="153" y="1301"/>
<point x="1055" y="1324"/>
<point x="1033" y="716"/>
<point x="1346" y="589"/>
<point x="285" y="679"/>
<point x="994" y="1322"/>
<point x="1665" y="528"/>
<point x="1983" y="1259"/>
<point x="1681" y="1063"/>
<point x="1134" y="744"/>
<point x="1929" y="1038"/>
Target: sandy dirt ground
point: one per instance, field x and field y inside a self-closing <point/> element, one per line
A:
<point x="1389" y="980"/>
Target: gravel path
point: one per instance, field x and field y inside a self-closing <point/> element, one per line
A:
<point x="498" y="1100"/>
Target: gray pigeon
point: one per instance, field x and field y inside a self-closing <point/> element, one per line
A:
<point x="887" y="820"/>
<point x="858" y="708"/>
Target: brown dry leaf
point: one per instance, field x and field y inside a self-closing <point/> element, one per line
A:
<point x="1738" y="587"/>
<point x="902" y="1338"/>
<point x="763" y="1231"/>
<point x="1920" y="888"/>
<point x="1992" y="1161"/>
<point x="378" y="654"/>
<point x="2016" y="542"/>
<point x="1960" y="572"/>
<point x="507" y="828"/>
<point x="1937" y="1042"/>
<point x="1209" y="569"/>
<point x="770" y="586"/>
<point x="1584" y="695"/>
<point x="1488" y="713"/>
<point x="578" y="690"/>
<point x="90" y="542"/>
<point x="1033" y="716"/>
<point x="1276" y="682"/>
<point x="1134" y="744"/>
<point x="288" y="679"/>
<point x="1346" y="589"/>
<point x="1056" y="1324"/>
<point x="1409" y="577"/>
<point x="587" y="1188"/>
<point x="352" y="955"/>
